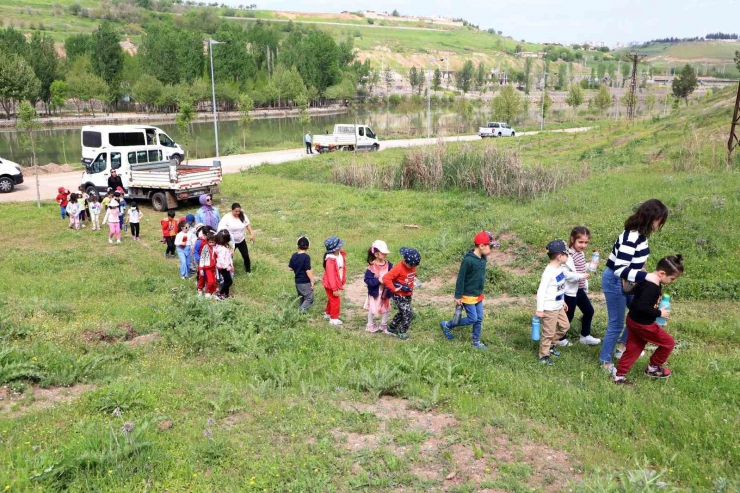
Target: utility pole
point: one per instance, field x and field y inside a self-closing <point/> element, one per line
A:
<point x="634" y="57"/>
<point x="733" y="142"/>
<point x="544" y="93"/>
<point x="211" y="43"/>
<point x="429" y="95"/>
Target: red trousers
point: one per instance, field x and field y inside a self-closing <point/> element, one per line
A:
<point x="638" y="336"/>
<point x="333" y="304"/>
<point x="207" y="281"/>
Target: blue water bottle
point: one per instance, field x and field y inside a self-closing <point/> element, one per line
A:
<point x="535" y="328"/>
<point x="665" y="304"/>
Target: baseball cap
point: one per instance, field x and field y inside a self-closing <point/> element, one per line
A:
<point x="483" y="238"/>
<point x="557" y="246"/>
<point x="411" y="256"/>
<point x="380" y="246"/>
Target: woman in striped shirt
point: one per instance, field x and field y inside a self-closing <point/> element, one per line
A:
<point x="626" y="262"/>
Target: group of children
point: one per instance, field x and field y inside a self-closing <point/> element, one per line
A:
<point x="81" y="206"/>
<point x="563" y="288"/>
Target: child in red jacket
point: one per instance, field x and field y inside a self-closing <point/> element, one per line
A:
<point x="63" y="200"/>
<point x="335" y="276"/>
<point x="207" y="267"/>
<point x="400" y="281"/>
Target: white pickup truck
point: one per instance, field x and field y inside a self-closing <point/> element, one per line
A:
<point x="347" y="137"/>
<point x="496" y="129"/>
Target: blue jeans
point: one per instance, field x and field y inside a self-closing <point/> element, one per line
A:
<point x="184" y="254"/>
<point x="474" y="317"/>
<point x="616" y="307"/>
<point x="63" y="211"/>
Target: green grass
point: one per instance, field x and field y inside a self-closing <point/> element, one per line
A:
<point x="715" y="51"/>
<point x="257" y="396"/>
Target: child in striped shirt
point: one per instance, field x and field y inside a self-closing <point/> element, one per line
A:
<point x="576" y="290"/>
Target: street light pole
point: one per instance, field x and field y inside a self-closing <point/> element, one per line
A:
<point x="212" y="42"/>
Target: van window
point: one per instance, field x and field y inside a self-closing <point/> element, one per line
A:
<point x="149" y="136"/>
<point x="141" y="157"/>
<point x="166" y="141"/>
<point x="495" y="125"/>
<point x="126" y="139"/>
<point x="154" y="156"/>
<point x="100" y="164"/>
<point x="115" y="160"/>
<point x="131" y="158"/>
<point x="370" y="133"/>
<point x="91" y="139"/>
<point x="361" y="131"/>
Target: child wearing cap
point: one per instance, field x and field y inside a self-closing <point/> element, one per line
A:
<point x="207" y="279"/>
<point x="134" y="220"/>
<point x="469" y="288"/>
<point x="378" y="297"/>
<point x="400" y="281"/>
<point x="300" y="264"/>
<point x="111" y="217"/>
<point x="63" y="200"/>
<point x="95" y="212"/>
<point x="335" y="276"/>
<point x="551" y="307"/>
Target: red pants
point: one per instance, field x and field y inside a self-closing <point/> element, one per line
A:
<point x="333" y="304"/>
<point x="637" y="336"/>
<point x="207" y="280"/>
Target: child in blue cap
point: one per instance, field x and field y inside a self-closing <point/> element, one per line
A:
<point x="551" y="307"/>
<point x="400" y="282"/>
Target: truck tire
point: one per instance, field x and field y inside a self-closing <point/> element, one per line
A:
<point x="375" y="148"/>
<point x="159" y="202"/>
<point x="499" y="134"/>
<point x="513" y="134"/>
<point x="91" y="191"/>
<point x="6" y="184"/>
<point x="177" y="159"/>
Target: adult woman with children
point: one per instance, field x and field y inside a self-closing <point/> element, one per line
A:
<point x="237" y="224"/>
<point x="624" y="269"/>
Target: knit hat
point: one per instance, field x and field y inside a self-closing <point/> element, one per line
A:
<point x="380" y="246"/>
<point x="411" y="256"/>
<point x="60" y="190"/>
<point x="190" y="218"/>
<point x="333" y="244"/>
<point x="557" y="246"/>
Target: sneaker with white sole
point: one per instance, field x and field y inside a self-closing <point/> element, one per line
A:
<point x="372" y="328"/>
<point x="118" y="241"/>
<point x="657" y="372"/>
<point x="589" y="340"/>
<point x="335" y="321"/>
<point x="554" y="352"/>
<point x="545" y="360"/>
<point x="110" y="241"/>
<point x="327" y="316"/>
<point x="564" y="343"/>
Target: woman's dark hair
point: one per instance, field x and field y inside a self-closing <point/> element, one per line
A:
<point x="303" y="243"/>
<point x="73" y="198"/>
<point x="170" y="213"/>
<point x="577" y="232"/>
<point x="223" y="237"/>
<point x="236" y="205"/>
<point x="671" y="265"/>
<point x="643" y="218"/>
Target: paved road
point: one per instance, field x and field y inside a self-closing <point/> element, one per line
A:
<point x="230" y="164"/>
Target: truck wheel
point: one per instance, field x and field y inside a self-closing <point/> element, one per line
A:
<point x="177" y="159"/>
<point x="499" y="134"/>
<point x="375" y="148"/>
<point x="159" y="202"/>
<point x="92" y="191"/>
<point x="513" y="134"/>
<point x="6" y="184"/>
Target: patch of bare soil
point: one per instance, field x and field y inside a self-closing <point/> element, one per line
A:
<point x="48" y="169"/>
<point x="143" y="340"/>
<point x="447" y="461"/>
<point x="37" y="398"/>
<point x="130" y="336"/>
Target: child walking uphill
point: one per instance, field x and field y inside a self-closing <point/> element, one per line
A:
<point x="576" y="293"/>
<point x="73" y="211"/>
<point x="207" y="267"/>
<point x="335" y="276"/>
<point x="378" y="297"/>
<point x="184" y="248"/>
<point x="224" y="262"/>
<point x="469" y="288"/>
<point x="551" y="308"/>
<point x="641" y="322"/>
<point x="300" y="264"/>
<point x="111" y="217"/>
<point x="134" y="220"/>
<point x="400" y="281"/>
<point x="169" y="231"/>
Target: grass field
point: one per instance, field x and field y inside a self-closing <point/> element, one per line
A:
<point x="714" y="51"/>
<point x="245" y="395"/>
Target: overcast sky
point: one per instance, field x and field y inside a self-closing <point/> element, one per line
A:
<point x="571" y="21"/>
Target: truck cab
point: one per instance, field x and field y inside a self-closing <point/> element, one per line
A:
<point x="496" y="129"/>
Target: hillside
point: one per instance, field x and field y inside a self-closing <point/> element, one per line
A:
<point x="713" y="56"/>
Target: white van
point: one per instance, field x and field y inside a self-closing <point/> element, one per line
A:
<point x="98" y="138"/>
<point x="10" y="175"/>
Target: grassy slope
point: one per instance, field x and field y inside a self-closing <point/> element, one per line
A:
<point x="272" y="382"/>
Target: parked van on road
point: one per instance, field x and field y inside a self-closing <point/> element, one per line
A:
<point x="97" y="138"/>
<point x="10" y="175"/>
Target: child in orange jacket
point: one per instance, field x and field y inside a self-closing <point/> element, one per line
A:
<point x="335" y="276"/>
<point x="400" y="280"/>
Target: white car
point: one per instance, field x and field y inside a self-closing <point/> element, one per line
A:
<point x="10" y="175"/>
<point x="496" y="129"/>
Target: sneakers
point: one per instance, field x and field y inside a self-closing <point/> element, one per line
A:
<point x="110" y="240"/>
<point x="479" y="345"/>
<point x="335" y="321"/>
<point x="372" y="328"/>
<point x="554" y="352"/>
<point x="589" y="340"/>
<point x="657" y="372"/>
<point x="446" y="330"/>
<point x="545" y="360"/>
<point x="622" y="380"/>
<point x="383" y="328"/>
<point x="327" y="316"/>
<point x="183" y="278"/>
<point x="118" y="241"/>
<point x="564" y="343"/>
<point x="609" y="368"/>
<point x="403" y="336"/>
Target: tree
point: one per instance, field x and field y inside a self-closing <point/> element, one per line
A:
<point x="85" y="87"/>
<point x="78" y="45"/>
<point x="183" y="119"/>
<point x="388" y="78"/>
<point x="527" y="75"/>
<point x="685" y="84"/>
<point x="304" y="117"/>
<point x="373" y="80"/>
<point x="147" y="90"/>
<point x="17" y="82"/>
<point x="480" y="76"/>
<point x="43" y="59"/>
<point x="245" y="106"/>
<point x="464" y="110"/>
<point x="575" y="97"/>
<point x="232" y="61"/>
<point x="437" y="79"/>
<point x="413" y="78"/>
<point x="547" y="103"/>
<point x="395" y="13"/>
<point x="172" y="54"/>
<point x="629" y="99"/>
<point x="737" y="60"/>
<point x="562" y="76"/>
<point x="58" y="90"/>
<point x="507" y="104"/>
<point x="29" y="124"/>
<point x="13" y="42"/>
<point x="316" y="56"/>
<point x="464" y="77"/>
<point x="603" y="99"/>
<point x="107" y="57"/>
<point x="650" y="102"/>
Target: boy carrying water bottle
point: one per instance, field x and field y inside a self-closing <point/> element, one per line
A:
<point x="551" y="307"/>
<point x="469" y="288"/>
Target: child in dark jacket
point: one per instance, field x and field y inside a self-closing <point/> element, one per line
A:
<point x="641" y="322"/>
<point x="378" y="297"/>
<point x="400" y="281"/>
<point x="469" y="288"/>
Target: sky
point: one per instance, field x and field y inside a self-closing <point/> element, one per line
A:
<point x="571" y="21"/>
